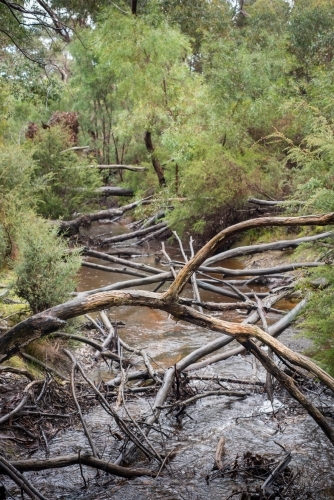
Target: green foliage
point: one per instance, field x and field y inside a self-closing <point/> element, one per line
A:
<point x="319" y="316"/>
<point x="46" y="271"/>
<point x="311" y="32"/>
<point x="18" y="193"/>
<point x="71" y="183"/>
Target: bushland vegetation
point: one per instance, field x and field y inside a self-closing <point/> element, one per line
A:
<point x="218" y="100"/>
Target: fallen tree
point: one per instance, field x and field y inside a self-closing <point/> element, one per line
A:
<point x="70" y="227"/>
<point x="248" y="335"/>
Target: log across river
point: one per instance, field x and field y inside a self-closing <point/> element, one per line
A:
<point x="248" y="425"/>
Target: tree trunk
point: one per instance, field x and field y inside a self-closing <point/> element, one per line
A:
<point x="155" y="162"/>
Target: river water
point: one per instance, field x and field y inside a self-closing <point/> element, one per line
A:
<point x="245" y="423"/>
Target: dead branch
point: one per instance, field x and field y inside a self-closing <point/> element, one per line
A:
<point x="75" y="459"/>
<point x="40" y="363"/>
<point x="18" y="371"/>
<point x="23" y="402"/>
<point x="104" y="352"/>
<point x="264" y="247"/>
<point x="132" y="168"/>
<point x="134" y="234"/>
<point x="110" y="336"/>
<point x="18" y="478"/>
<point x="207" y="394"/>
<point x="117" y="260"/>
<point x="219" y="452"/>
<point x="72" y="226"/>
<point x="117" y="270"/>
<point x="273" y="330"/>
<point x="84" y="425"/>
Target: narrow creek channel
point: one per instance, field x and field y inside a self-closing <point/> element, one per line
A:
<point x="247" y="424"/>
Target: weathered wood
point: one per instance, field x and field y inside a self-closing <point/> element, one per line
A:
<point x="114" y="191"/>
<point x="75" y="459"/>
<point x="213" y="245"/>
<point x="116" y="270"/>
<point x="21" y="481"/>
<point x="17" y="371"/>
<point x="128" y="263"/>
<point x="219" y="452"/>
<point x="134" y="234"/>
<point x="273" y="330"/>
<point x="72" y="226"/>
<point x="105" y="352"/>
<point x="83" y="422"/>
<point x="132" y="168"/>
<point x="264" y="247"/>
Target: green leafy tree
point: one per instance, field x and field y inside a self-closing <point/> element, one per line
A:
<point x="71" y="182"/>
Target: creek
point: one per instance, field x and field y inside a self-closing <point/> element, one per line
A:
<point x="246" y="423"/>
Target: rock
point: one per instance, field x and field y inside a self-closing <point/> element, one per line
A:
<point x="319" y="283"/>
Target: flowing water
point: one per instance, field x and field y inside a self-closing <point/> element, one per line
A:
<point x="245" y="423"/>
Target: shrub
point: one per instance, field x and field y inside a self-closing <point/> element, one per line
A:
<point x="46" y="271"/>
<point x="71" y="182"/>
<point x="319" y="316"/>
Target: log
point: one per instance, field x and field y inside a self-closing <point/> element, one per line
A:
<point x="72" y="226"/>
<point x="261" y="271"/>
<point x="213" y="245"/>
<point x="128" y="284"/>
<point x="264" y="247"/>
<point x="114" y="191"/>
<point x="132" y="168"/>
<point x="273" y="330"/>
<point x="118" y="260"/>
<point x="275" y="202"/>
<point x="76" y="459"/>
<point x="134" y="234"/>
<point x="117" y="270"/>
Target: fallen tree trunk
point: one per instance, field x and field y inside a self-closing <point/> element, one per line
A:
<point x="118" y="260"/>
<point x="72" y="226"/>
<point x="257" y="271"/>
<point x="277" y="245"/>
<point x="76" y="459"/>
<point x="114" y="191"/>
<point x="274" y="202"/>
<point x="134" y="234"/>
<point x="132" y="168"/>
<point x="117" y="270"/>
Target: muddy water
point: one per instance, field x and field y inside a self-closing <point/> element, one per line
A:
<point x="243" y="422"/>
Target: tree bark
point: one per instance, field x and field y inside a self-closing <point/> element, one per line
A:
<point x="85" y="459"/>
<point x="114" y="191"/>
<point x="155" y="162"/>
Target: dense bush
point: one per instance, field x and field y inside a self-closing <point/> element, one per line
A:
<point x="319" y="316"/>
<point x="71" y="182"/>
<point x="45" y="270"/>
